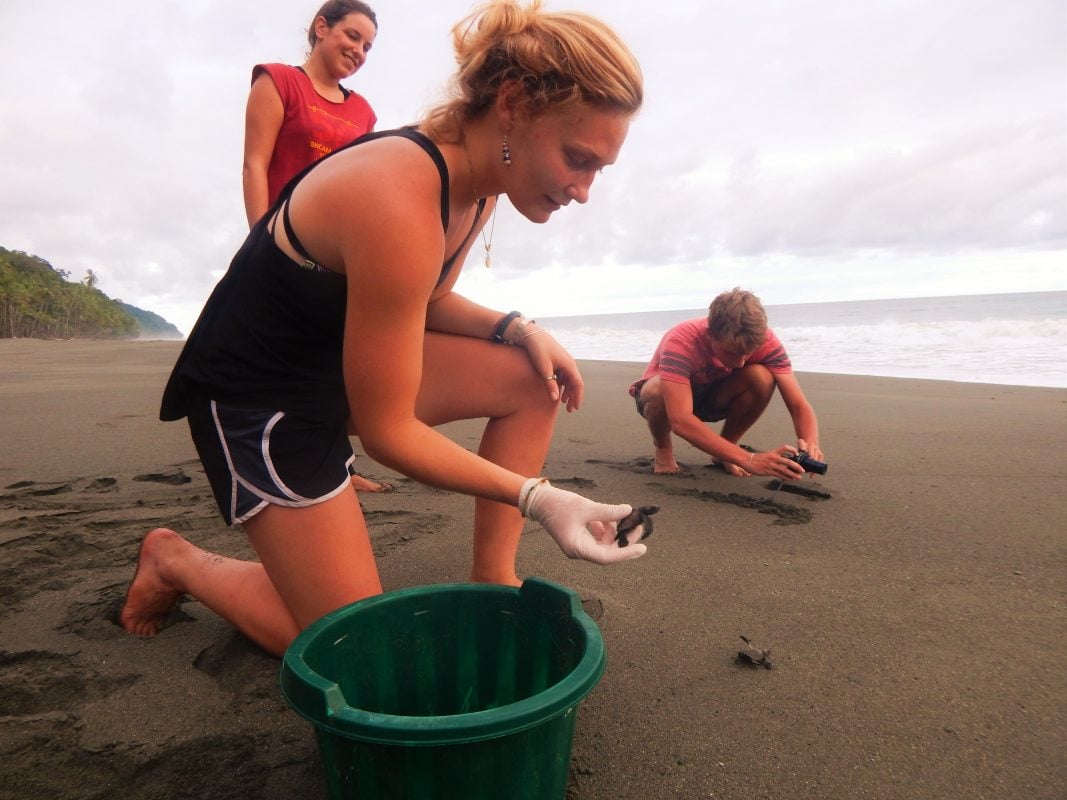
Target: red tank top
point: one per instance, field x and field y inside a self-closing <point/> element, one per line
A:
<point x="313" y="126"/>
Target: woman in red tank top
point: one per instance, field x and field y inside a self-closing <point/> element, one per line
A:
<point x="296" y="115"/>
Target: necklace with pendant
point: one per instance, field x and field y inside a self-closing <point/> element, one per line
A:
<point x="488" y="242"/>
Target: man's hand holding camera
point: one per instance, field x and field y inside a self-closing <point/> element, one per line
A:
<point x="786" y="462"/>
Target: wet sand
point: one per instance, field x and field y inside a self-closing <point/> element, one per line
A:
<point x="915" y="615"/>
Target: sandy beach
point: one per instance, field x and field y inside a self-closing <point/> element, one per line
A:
<point x="915" y="613"/>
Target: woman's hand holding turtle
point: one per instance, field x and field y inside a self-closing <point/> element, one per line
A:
<point x="581" y="527"/>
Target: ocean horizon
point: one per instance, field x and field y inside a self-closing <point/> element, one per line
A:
<point x="1016" y="339"/>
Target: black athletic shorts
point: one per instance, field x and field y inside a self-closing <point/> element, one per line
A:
<point x="703" y="402"/>
<point x="258" y="457"/>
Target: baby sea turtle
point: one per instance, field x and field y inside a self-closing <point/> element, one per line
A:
<point x="635" y="526"/>
<point x="750" y="654"/>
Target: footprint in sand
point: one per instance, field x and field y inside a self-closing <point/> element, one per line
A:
<point x="785" y="513"/>
<point x="36" y="682"/>
<point x="581" y="483"/>
<point x="390" y="530"/>
<point x="174" y="478"/>
<point x="34" y="489"/>
<point x="241" y="668"/>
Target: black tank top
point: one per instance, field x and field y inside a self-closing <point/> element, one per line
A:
<point x="270" y="335"/>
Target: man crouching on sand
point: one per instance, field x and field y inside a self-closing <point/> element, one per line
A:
<point x="723" y="367"/>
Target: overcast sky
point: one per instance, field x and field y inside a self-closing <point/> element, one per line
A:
<point x="810" y="150"/>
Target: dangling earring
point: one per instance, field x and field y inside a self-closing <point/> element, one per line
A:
<point x="505" y="152"/>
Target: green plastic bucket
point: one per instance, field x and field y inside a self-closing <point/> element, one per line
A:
<point x="465" y="691"/>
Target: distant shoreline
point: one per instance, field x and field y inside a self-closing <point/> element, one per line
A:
<point x="638" y="366"/>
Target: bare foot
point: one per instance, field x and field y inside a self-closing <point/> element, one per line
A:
<point x="150" y="598"/>
<point x="361" y="484"/>
<point x="665" y="463"/>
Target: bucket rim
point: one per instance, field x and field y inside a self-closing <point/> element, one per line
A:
<point x="321" y="702"/>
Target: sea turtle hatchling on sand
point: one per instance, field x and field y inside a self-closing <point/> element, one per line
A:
<point x="634" y="527"/>
<point x="750" y="654"/>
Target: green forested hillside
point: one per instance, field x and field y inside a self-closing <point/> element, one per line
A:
<point x="151" y="325"/>
<point x="37" y="300"/>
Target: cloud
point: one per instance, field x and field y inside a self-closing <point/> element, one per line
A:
<point x="994" y="188"/>
<point x="776" y="136"/>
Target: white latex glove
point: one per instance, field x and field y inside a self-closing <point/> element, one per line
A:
<point x="582" y="528"/>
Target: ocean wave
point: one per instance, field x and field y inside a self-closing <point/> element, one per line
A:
<point x="1019" y="352"/>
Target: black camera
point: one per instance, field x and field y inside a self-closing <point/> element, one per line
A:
<point x="807" y="462"/>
